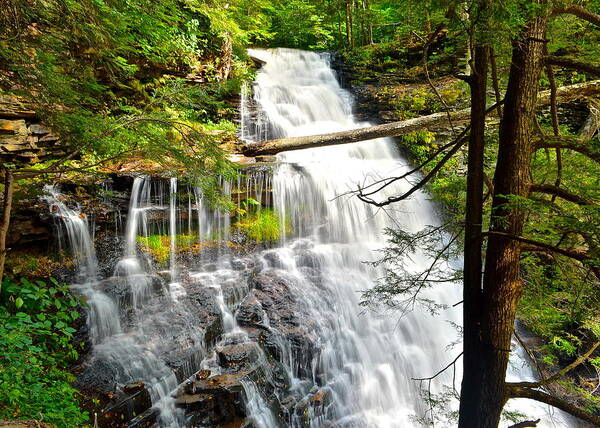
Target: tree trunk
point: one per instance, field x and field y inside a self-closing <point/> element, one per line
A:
<point x="350" y="8"/>
<point x="226" y="56"/>
<point x="369" y="23"/>
<point x="432" y="121"/>
<point x="348" y="24"/>
<point x="502" y="285"/>
<point x="472" y="298"/>
<point x="5" y="221"/>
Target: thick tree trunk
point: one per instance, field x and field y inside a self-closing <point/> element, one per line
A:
<point x="5" y="221"/>
<point x="432" y="121"/>
<point x="472" y="298"/>
<point x="502" y="285"/>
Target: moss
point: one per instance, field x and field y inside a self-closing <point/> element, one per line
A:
<point x="261" y="226"/>
<point x="159" y="246"/>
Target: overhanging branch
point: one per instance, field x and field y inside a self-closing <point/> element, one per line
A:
<point x="560" y="193"/>
<point x="580" y="145"/>
<point x="574" y="65"/>
<point x="580" y="360"/>
<point x="580" y="12"/>
<point x="543" y="397"/>
<point x="537" y="245"/>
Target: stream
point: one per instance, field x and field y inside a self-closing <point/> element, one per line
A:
<point x="275" y="337"/>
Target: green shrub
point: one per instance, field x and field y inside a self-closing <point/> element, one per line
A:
<point x="35" y="350"/>
<point x="261" y="226"/>
<point x="159" y="246"/>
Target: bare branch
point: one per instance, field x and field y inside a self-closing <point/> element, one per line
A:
<point x="561" y="373"/>
<point x="583" y="146"/>
<point x="574" y="65"/>
<point x="426" y="45"/>
<point x="534" y="245"/>
<point x="543" y="397"/>
<point x="441" y="370"/>
<point x="526" y="424"/>
<point x="580" y="12"/>
<point x="556" y="191"/>
<point x="417" y="186"/>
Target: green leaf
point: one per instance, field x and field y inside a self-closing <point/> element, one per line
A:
<point x="18" y="302"/>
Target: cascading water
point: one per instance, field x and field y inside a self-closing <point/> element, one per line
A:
<point x="103" y="316"/>
<point x="366" y="361"/>
<point x="276" y="336"/>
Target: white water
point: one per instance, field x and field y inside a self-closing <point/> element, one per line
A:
<point x="366" y="360"/>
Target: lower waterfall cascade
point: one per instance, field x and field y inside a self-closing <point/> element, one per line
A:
<point x="275" y="335"/>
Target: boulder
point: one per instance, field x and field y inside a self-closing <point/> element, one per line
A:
<point x="236" y="356"/>
<point x="213" y="401"/>
<point x="250" y="312"/>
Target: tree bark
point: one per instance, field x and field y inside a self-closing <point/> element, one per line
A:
<point x="5" y="221"/>
<point x="432" y="121"/>
<point x="502" y="285"/>
<point x="472" y="298"/>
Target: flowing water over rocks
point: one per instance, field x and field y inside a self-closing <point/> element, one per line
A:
<point x="266" y="337"/>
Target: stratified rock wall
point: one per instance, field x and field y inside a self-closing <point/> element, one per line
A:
<point x="23" y="138"/>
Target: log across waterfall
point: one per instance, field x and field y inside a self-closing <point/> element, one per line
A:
<point x="394" y="129"/>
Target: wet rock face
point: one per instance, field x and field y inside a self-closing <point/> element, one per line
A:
<point x="109" y="250"/>
<point x="185" y="332"/>
<point x="201" y="303"/>
<point x="238" y="355"/>
<point x="133" y="290"/>
<point x="99" y="378"/>
<point x="214" y="401"/>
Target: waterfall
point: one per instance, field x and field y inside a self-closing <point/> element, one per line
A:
<point x="275" y="333"/>
<point x="103" y="318"/>
<point x="172" y="227"/>
<point x="367" y="360"/>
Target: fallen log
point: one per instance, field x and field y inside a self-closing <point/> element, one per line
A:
<point x="394" y="129"/>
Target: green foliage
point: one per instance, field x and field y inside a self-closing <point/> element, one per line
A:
<point x="36" y="348"/>
<point x="159" y="246"/>
<point x="107" y="77"/>
<point x="263" y="225"/>
<point x="301" y="24"/>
